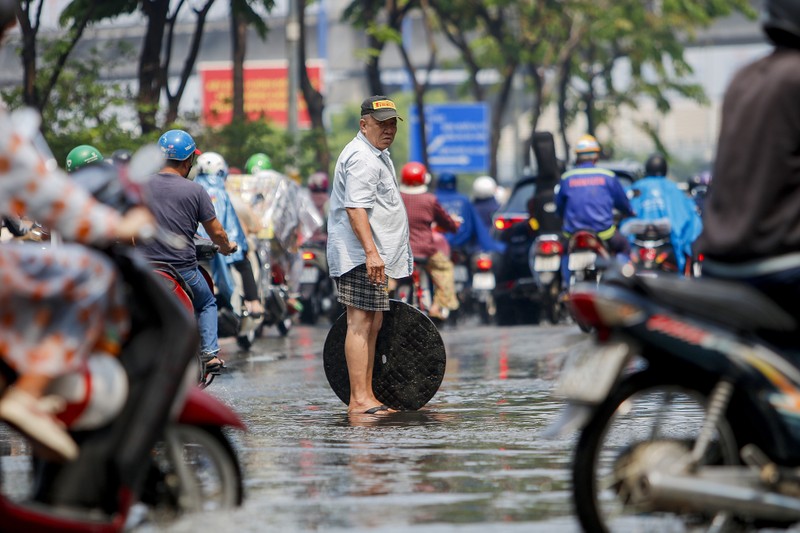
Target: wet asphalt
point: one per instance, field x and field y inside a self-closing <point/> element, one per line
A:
<point x="473" y="459"/>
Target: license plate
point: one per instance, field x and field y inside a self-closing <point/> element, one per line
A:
<point x="460" y="274"/>
<point x="581" y="260"/>
<point x="310" y="275"/>
<point x="483" y="281"/>
<point x="591" y="371"/>
<point x="547" y="264"/>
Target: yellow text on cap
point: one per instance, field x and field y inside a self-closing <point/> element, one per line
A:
<point x="380" y="104"/>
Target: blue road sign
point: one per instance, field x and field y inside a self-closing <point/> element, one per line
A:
<point x="458" y="137"/>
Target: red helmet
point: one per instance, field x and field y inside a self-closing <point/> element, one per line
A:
<point x="318" y="182"/>
<point x="414" y="174"/>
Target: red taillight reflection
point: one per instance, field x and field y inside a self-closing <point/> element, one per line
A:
<point x="309" y="256"/>
<point x="483" y="264"/>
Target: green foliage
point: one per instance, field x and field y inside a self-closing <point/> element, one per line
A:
<point x="81" y="108"/>
<point x="237" y="141"/>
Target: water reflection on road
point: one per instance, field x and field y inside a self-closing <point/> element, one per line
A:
<point x="473" y="459"/>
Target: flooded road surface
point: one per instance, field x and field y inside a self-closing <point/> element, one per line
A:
<point x="473" y="459"/>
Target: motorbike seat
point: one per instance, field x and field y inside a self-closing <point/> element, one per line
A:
<point x="170" y="270"/>
<point x="733" y="304"/>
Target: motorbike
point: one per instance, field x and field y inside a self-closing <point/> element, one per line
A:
<point x="545" y="263"/>
<point x="229" y="323"/>
<point x="317" y="293"/>
<point x="651" y="249"/>
<point x="586" y="254"/>
<point x="686" y="404"/>
<point x="272" y="285"/>
<point x="146" y="437"/>
<point x="474" y="281"/>
<point x="416" y="290"/>
<point x="482" y="285"/>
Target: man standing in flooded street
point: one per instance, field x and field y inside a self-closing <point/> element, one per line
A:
<point x="367" y="242"/>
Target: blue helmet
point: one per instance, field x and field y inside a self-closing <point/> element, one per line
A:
<point x="446" y="181"/>
<point x="177" y="145"/>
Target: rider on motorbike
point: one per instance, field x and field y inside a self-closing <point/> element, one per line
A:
<point x="472" y="235"/>
<point x="752" y="216"/>
<point x="82" y="155"/>
<point x="212" y="170"/>
<point x="256" y="162"/>
<point x="57" y="305"/>
<point x="484" y="199"/>
<point x="423" y="210"/>
<point x="587" y="197"/>
<point x="318" y="187"/>
<point x="657" y="198"/>
<point x="180" y="206"/>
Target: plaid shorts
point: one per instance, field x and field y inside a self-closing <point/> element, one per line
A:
<point x="356" y="290"/>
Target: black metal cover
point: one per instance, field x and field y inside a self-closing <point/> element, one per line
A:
<point x="409" y="359"/>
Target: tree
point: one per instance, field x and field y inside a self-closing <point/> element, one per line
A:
<point x="243" y="15"/>
<point x="39" y="83"/>
<point x="82" y="109"/>
<point x="315" y="102"/>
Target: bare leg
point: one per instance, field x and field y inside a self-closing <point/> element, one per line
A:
<point x="359" y="349"/>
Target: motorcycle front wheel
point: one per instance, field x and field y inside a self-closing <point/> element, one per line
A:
<point x="643" y="409"/>
<point x="204" y="467"/>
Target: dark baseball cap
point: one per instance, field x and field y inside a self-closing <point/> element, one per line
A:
<point x="380" y="107"/>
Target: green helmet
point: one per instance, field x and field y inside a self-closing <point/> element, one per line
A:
<point x="259" y="161"/>
<point x="82" y="155"/>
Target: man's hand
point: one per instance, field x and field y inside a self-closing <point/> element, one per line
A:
<point x="375" y="268"/>
<point x="231" y="248"/>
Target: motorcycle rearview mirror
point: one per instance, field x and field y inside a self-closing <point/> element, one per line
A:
<point x="147" y="160"/>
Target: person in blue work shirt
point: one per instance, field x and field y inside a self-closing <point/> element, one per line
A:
<point x="471" y="235"/>
<point x="587" y="197"/>
<point x="656" y="197"/>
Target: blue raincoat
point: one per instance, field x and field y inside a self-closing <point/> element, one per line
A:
<point x="471" y="231"/>
<point x="660" y="198"/>
<point x="226" y="214"/>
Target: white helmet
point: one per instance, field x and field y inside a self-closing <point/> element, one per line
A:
<point x="484" y="187"/>
<point x="212" y="164"/>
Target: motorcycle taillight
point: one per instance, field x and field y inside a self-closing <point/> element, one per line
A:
<point x="585" y="241"/>
<point x="549" y="248"/>
<point x="309" y="256"/>
<point x="647" y="254"/>
<point x="483" y="264"/>
<point x="598" y="311"/>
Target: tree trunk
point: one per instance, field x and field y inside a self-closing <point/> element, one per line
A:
<point x="174" y="99"/>
<point x="314" y="100"/>
<point x="147" y="99"/>
<point x="239" y="47"/>
<point x="30" y="28"/>
<point x="498" y="110"/>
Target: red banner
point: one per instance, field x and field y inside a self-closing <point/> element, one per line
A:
<point x="266" y="92"/>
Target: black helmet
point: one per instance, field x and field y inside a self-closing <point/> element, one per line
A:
<point x="781" y="21"/>
<point x="656" y="165"/>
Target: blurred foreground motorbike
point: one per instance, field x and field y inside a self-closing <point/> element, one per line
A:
<point x="686" y="413"/>
<point x="146" y="435"/>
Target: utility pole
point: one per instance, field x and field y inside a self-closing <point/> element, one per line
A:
<point x="292" y="44"/>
